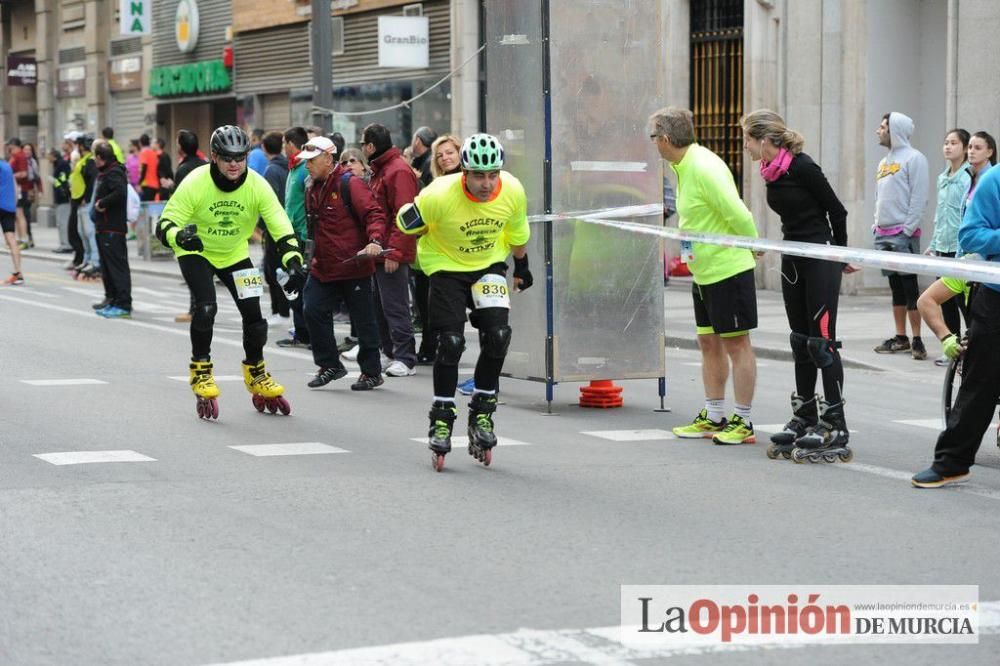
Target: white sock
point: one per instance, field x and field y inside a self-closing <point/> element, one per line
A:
<point x="438" y="398"/>
<point x="483" y="391"/>
<point x="716" y="409"/>
<point x="743" y="411"/>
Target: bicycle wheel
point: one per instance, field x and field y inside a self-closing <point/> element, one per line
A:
<point x="952" y="380"/>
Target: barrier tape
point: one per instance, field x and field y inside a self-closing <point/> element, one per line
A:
<point x="970" y="270"/>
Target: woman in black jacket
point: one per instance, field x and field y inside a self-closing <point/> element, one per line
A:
<point x="810" y="212"/>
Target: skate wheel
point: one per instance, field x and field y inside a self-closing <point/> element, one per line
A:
<point x="487" y="457"/>
<point x="214" y="405"/>
<point x="787" y="455"/>
<point x="772" y="453"/>
<point x="258" y="402"/>
<point x="847" y="457"/>
<point x="799" y="456"/>
<point x="200" y="407"/>
<point x="272" y="405"/>
<point x="437" y="461"/>
<point x="830" y="458"/>
<point x="283" y="405"/>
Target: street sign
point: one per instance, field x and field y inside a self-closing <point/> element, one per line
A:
<point x="21" y="71"/>
<point x="135" y="16"/>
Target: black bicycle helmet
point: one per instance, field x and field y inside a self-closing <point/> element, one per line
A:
<point x="85" y="141"/>
<point x="231" y="141"/>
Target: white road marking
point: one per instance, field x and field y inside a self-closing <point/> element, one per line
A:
<point x="271" y="351"/>
<point x="532" y="647"/>
<point x="697" y="364"/>
<point x="291" y="449"/>
<point x="631" y="435"/>
<point x="82" y="457"/>
<point x="778" y="427"/>
<point x="34" y="292"/>
<point x="218" y="378"/>
<point x="62" y="382"/>
<point x="932" y="424"/>
<point x="461" y="441"/>
<point x="966" y="487"/>
<point x="95" y="291"/>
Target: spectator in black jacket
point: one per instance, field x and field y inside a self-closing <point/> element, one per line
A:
<point x="276" y="174"/>
<point x="187" y="153"/>
<point x="165" y="169"/>
<point x="110" y="217"/>
<point x="423" y="156"/>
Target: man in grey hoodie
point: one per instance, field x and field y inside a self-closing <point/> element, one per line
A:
<point x="900" y="199"/>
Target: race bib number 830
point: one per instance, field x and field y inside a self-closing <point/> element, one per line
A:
<point x="249" y="283"/>
<point x="491" y="291"/>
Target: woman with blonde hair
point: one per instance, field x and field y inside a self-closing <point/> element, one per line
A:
<point x="445" y="155"/>
<point x="810" y="212"/>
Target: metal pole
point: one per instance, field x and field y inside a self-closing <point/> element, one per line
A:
<point x="322" y="61"/>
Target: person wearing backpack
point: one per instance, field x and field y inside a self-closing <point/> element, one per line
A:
<point x="60" y="193"/>
<point x="349" y="233"/>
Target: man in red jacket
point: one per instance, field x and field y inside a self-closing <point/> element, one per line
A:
<point x="348" y="237"/>
<point x="394" y="185"/>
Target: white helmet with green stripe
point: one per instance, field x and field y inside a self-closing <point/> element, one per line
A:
<point x="482" y="152"/>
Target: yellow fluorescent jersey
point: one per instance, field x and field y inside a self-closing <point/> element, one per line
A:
<point x="461" y="233"/>
<point x="225" y="220"/>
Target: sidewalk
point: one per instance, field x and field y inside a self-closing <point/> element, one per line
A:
<point x="863" y="321"/>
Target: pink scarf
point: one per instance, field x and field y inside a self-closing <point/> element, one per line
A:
<point x="776" y="168"/>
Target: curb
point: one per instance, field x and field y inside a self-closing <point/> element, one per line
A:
<point x="140" y="268"/>
<point x="773" y="354"/>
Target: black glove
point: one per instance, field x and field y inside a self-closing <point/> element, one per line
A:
<point x="187" y="239"/>
<point x="522" y="273"/>
<point x="296" y="276"/>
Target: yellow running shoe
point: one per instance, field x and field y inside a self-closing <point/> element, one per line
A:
<point x="701" y="428"/>
<point x="737" y="431"/>
<point x="202" y="382"/>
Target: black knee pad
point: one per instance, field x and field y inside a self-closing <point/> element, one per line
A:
<point x="450" y="348"/>
<point x="495" y="340"/>
<point x="822" y="351"/>
<point x="203" y="316"/>
<point x="800" y="347"/>
<point x="255" y="333"/>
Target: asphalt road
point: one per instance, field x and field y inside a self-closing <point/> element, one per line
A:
<point x="200" y="553"/>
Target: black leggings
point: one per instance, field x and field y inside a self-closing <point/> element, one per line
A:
<point x="75" y="240"/>
<point x="200" y="277"/>
<point x="951" y="308"/>
<point x="811" y="288"/>
<point x="904" y="290"/>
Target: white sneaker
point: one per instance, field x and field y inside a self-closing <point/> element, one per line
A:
<point x="351" y="354"/>
<point x="400" y="369"/>
<point x="385" y="361"/>
<point x="277" y="320"/>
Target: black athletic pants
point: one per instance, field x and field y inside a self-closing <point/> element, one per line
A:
<point x="115" y="273"/>
<point x="811" y="288"/>
<point x="75" y="240"/>
<point x="199" y="275"/>
<point x="977" y="397"/>
<point x="279" y="302"/>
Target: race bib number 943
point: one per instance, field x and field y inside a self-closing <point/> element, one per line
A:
<point x="490" y="291"/>
<point x="249" y="283"/>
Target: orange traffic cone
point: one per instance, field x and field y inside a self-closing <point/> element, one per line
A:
<point x="601" y="393"/>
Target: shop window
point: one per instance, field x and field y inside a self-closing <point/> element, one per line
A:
<point x="413" y="10"/>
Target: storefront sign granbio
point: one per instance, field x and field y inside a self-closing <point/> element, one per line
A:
<point x="196" y="78"/>
<point x="186" y="26"/>
<point x="126" y="74"/>
<point x="21" y="71"/>
<point x="403" y="41"/>
<point x="134" y="16"/>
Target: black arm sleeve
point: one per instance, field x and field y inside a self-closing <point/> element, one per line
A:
<point x="814" y="180"/>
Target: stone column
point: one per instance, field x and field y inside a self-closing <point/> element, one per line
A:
<point x="465" y="84"/>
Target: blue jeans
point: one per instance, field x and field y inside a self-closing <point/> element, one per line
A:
<point x="89" y="234"/>
<point x="320" y="300"/>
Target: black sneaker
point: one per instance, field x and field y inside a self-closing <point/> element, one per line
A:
<point x="918" y="351"/>
<point x="295" y="343"/>
<point x="103" y="304"/>
<point x="366" y="383"/>
<point x="327" y="375"/>
<point x="893" y="345"/>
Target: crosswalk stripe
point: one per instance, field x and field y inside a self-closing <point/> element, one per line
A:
<point x="84" y="457"/>
<point x="289" y="449"/>
<point x="63" y="382"/>
<point x="461" y="441"/>
<point x="631" y="435"/>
